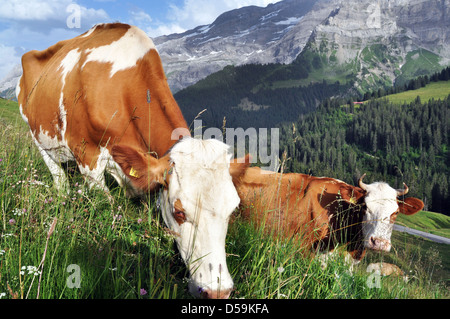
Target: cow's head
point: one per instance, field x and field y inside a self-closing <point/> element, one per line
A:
<point x="197" y="198"/>
<point x="381" y="207"/>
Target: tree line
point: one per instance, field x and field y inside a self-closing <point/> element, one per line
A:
<point x="222" y="93"/>
<point x="413" y="84"/>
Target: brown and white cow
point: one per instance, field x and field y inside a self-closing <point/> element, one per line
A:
<point x="323" y="212"/>
<point x="102" y="99"/>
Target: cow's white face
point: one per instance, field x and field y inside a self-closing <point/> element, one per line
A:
<point x="197" y="206"/>
<point x="381" y="210"/>
<point x="380" y="214"/>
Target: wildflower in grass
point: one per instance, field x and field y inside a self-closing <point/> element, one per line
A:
<point x="37" y="183"/>
<point x="19" y="212"/>
<point x="280" y="269"/>
<point x="12" y="221"/>
<point x="143" y="292"/>
<point x="2" y="252"/>
<point x="116" y="218"/>
<point x="32" y="270"/>
<point x="2" y="294"/>
<point x="139" y="220"/>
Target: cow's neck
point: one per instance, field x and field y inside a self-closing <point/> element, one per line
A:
<point x="346" y="229"/>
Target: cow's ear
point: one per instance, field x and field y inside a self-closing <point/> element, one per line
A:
<point x="351" y="194"/>
<point x="238" y="166"/>
<point x="410" y="206"/>
<point x="144" y="171"/>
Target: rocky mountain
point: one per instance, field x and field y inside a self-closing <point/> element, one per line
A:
<point x="276" y="33"/>
<point x="346" y="31"/>
<point x="8" y="84"/>
<point x="376" y="41"/>
<point x="383" y="42"/>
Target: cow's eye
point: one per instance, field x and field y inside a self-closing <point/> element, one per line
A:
<point x="179" y="216"/>
<point x="178" y="212"/>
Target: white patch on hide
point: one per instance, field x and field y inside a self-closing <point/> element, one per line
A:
<point x="22" y="114"/>
<point x="53" y="154"/>
<point x="18" y="87"/>
<point x="67" y="65"/>
<point x="91" y="30"/>
<point x="58" y="150"/>
<point x="123" y="53"/>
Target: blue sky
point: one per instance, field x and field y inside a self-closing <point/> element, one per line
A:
<point x="36" y="24"/>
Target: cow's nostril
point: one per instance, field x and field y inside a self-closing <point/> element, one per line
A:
<point x="205" y="294"/>
<point x="220" y="294"/>
<point x="379" y="244"/>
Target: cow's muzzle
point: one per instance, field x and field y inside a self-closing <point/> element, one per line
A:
<point x="220" y="294"/>
<point x="379" y="244"/>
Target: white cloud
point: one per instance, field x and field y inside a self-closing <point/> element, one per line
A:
<point x="140" y="16"/>
<point x="37" y="24"/>
<point x="200" y="12"/>
<point x="193" y="13"/>
<point x="45" y="15"/>
<point x="8" y="59"/>
<point x="164" y="29"/>
<point x="25" y="10"/>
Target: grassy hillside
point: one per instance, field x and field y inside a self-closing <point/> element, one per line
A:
<point x="9" y="111"/>
<point x="430" y="222"/>
<point x="122" y="250"/>
<point x="418" y="62"/>
<point x="416" y="255"/>
<point x="434" y="90"/>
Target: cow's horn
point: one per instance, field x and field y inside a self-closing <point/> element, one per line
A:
<point x="361" y="184"/>
<point x="401" y="192"/>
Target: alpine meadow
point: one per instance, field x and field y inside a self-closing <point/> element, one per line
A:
<point x="85" y="245"/>
<point x="347" y="89"/>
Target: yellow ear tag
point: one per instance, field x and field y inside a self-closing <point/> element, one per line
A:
<point x="352" y="200"/>
<point x="134" y="173"/>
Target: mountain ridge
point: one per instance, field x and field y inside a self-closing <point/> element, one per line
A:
<point x="346" y="33"/>
<point x="279" y="32"/>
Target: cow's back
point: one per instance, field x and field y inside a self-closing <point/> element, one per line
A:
<point x="296" y="205"/>
<point x="107" y="86"/>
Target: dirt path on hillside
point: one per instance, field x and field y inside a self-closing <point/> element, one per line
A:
<point x="435" y="238"/>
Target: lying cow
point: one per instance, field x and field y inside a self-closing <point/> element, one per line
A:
<point x="323" y="212"/>
<point x="102" y="100"/>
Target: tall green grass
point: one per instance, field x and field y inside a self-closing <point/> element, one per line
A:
<point x="120" y="248"/>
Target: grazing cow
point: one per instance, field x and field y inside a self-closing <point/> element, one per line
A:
<point x="102" y="100"/>
<point x="323" y="212"/>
